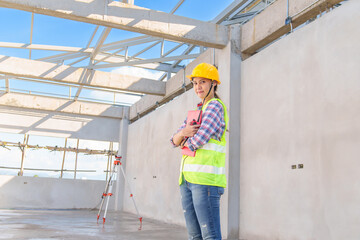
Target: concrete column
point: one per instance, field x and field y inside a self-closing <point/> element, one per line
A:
<point x="120" y="181"/>
<point x="230" y="71"/>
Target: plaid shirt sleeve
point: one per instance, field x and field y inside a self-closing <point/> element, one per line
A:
<point x="212" y="126"/>
<point x="181" y="128"/>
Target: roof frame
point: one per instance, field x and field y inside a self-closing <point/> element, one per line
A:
<point x="55" y="104"/>
<point x="131" y="18"/>
<point x="79" y="76"/>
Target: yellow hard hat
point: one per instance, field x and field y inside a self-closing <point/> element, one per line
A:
<point x="205" y="70"/>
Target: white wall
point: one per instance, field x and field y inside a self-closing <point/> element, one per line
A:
<point x="300" y="104"/>
<point x="50" y="193"/>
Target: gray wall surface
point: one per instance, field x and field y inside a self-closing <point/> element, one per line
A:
<point x="50" y="193"/>
<point x="153" y="165"/>
<point x="300" y="104"/>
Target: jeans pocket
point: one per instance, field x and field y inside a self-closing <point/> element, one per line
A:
<point x="221" y="190"/>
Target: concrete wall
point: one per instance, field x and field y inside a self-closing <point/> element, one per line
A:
<point x="153" y="165"/>
<point x="50" y="193"/>
<point x="300" y="104"/>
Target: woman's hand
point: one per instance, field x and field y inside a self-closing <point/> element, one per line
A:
<point x="190" y="130"/>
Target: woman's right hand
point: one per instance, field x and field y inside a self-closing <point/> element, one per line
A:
<point x="189" y="130"/>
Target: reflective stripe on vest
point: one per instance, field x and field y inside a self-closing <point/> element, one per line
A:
<point x="203" y="168"/>
<point x="214" y="147"/>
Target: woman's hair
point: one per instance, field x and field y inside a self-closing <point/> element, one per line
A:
<point x="215" y="94"/>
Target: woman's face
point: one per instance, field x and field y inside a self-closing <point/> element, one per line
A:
<point x="202" y="86"/>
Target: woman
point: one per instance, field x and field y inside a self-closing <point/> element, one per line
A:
<point x="202" y="179"/>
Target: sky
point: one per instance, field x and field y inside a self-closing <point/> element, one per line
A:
<point x="15" y="26"/>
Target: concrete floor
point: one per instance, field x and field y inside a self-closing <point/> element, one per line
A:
<point x="81" y="224"/>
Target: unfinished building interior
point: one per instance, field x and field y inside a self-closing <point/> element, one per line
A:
<point x="291" y="82"/>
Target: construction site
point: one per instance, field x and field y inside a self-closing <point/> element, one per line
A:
<point x="91" y="92"/>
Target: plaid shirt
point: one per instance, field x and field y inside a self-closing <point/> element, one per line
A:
<point x="212" y="126"/>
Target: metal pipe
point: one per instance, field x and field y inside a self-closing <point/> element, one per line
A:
<point x="7" y="86"/>
<point x="109" y="160"/>
<point x="46" y="170"/>
<point x="173" y="49"/>
<point x="76" y="158"/>
<point x="92" y="37"/>
<point x="26" y="140"/>
<point x="31" y="32"/>
<point x="77" y="61"/>
<point x="108" y="56"/>
<point x="177" y="6"/>
<point x="305" y="9"/>
<point x="63" y="162"/>
<point x="162" y="48"/>
<point x="287" y="9"/>
<point x="144" y="50"/>
<point x="126" y="54"/>
<point x="214" y="56"/>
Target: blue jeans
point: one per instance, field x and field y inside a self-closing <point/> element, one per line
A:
<point x="201" y="205"/>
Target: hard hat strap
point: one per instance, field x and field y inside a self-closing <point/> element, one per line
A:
<point x="208" y="92"/>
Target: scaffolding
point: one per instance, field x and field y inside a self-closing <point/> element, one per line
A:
<point x="23" y="146"/>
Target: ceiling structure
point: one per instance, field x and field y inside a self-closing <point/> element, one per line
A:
<point x="83" y="70"/>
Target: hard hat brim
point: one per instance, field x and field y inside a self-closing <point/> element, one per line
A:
<point x="189" y="77"/>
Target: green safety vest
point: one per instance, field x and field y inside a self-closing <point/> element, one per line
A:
<point x="208" y="165"/>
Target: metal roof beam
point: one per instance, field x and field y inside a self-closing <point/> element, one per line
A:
<point x="139" y="62"/>
<point x="28" y="101"/>
<point x="131" y="18"/>
<point x="100" y="42"/>
<point x="234" y="6"/>
<point x="62" y="73"/>
<point x="177" y="6"/>
<point x="44" y="47"/>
